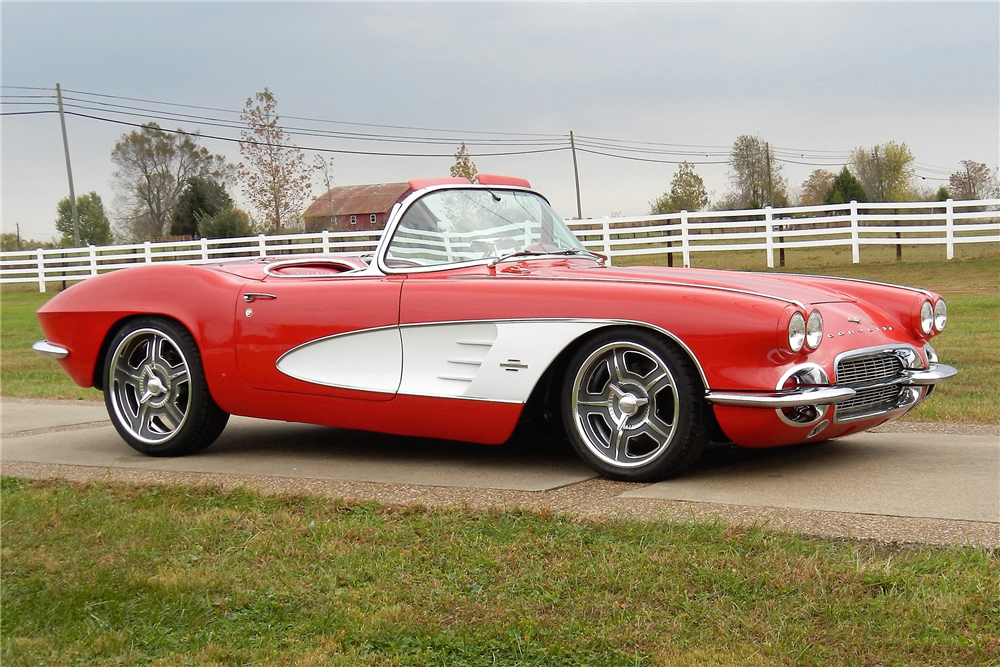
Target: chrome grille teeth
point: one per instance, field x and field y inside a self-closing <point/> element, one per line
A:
<point x="874" y="378"/>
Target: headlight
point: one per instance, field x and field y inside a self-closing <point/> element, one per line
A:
<point x="940" y="315"/>
<point x="814" y="330"/>
<point x="796" y="332"/>
<point x="927" y="317"/>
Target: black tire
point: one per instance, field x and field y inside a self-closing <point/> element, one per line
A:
<point x="633" y="406"/>
<point x="155" y="390"/>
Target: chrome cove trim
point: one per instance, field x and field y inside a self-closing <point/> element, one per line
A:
<point x="598" y="324"/>
<point x="786" y="399"/>
<point x="47" y="349"/>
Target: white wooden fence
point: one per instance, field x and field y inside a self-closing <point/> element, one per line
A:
<point x="767" y="230"/>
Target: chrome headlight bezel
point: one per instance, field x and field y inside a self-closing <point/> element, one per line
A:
<point x="814" y="330"/>
<point x="796" y="332"/>
<point x="926" y="323"/>
<point x="940" y="315"/>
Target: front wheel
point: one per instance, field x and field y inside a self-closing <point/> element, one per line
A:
<point x="155" y="390"/>
<point x="633" y="406"/>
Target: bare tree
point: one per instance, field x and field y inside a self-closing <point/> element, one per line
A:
<point x="154" y="167"/>
<point x="273" y="171"/>
<point x="755" y="174"/>
<point x="973" y="180"/>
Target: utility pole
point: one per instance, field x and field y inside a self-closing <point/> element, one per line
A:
<point x="576" y="176"/>
<point x="17" y="226"/>
<point x="69" y="172"/>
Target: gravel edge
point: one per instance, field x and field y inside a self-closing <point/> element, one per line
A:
<point x="592" y="500"/>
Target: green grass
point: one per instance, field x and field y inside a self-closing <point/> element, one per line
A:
<point x="115" y="574"/>
<point x="971" y="342"/>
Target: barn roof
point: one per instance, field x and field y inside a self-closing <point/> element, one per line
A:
<point x="356" y="200"/>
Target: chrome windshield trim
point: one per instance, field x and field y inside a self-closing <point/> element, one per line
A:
<point x="932" y="375"/>
<point x="47" y="349"/>
<point x="785" y="399"/>
<point x="399" y="210"/>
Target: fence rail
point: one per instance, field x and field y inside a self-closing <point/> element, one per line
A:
<point x="949" y="223"/>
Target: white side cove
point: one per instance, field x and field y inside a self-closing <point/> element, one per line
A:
<point x="370" y="360"/>
<point x="492" y="361"/>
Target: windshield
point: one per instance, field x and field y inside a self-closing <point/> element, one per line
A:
<point x="464" y="225"/>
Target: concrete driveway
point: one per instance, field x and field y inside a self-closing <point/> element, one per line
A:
<point x="937" y="476"/>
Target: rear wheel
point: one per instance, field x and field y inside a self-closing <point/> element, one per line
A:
<point x="155" y="390"/>
<point x="633" y="406"/>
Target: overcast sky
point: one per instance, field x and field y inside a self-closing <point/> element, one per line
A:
<point x="810" y="78"/>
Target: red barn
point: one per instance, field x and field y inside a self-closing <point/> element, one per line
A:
<point x="349" y="208"/>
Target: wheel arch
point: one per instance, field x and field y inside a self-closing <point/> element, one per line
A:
<point x="115" y="329"/>
<point x="545" y="398"/>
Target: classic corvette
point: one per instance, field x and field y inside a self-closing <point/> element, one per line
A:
<point x="479" y="309"/>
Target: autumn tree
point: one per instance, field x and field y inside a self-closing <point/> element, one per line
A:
<point x="202" y="197"/>
<point x="95" y="228"/>
<point x="273" y="171"/>
<point x="845" y="188"/>
<point x="885" y="171"/>
<point x="687" y="193"/>
<point x="973" y="180"/>
<point x="464" y="167"/>
<point x="815" y="187"/>
<point x="153" y="168"/>
<point x="755" y="175"/>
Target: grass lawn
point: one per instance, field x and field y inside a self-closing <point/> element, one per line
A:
<point x="123" y="575"/>
<point x="971" y="342"/>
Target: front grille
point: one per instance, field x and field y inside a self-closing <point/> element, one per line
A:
<point x="872" y="401"/>
<point x="869" y="369"/>
<point x="875" y="377"/>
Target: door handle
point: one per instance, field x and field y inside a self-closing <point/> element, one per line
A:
<point x="250" y="297"/>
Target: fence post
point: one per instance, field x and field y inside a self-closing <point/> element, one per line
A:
<point x="949" y="230"/>
<point x="326" y="241"/>
<point x="855" y="237"/>
<point x="769" y="235"/>
<point x="685" y="241"/>
<point x="606" y="236"/>
<point x="204" y="249"/>
<point x="93" y="259"/>
<point x="147" y="251"/>
<point x="40" y="255"/>
<point x="262" y="245"/>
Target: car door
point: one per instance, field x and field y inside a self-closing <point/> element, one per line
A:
<point x="330" y="336"/>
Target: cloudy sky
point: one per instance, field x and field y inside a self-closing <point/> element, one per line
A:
<point x="649" y="84"/>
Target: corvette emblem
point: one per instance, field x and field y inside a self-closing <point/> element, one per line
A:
<point x="854" y="320"/>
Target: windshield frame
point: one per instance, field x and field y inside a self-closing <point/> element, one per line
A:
<point x="400" y="210"/>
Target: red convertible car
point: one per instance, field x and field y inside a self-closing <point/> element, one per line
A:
<point x="480" y="308"/>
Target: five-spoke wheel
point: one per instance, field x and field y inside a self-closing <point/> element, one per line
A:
<point x="632" y="407"/>
<point x="155" y="390"/>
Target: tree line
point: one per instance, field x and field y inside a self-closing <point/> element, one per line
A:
<point x="167" y="185"/>
<point x="883" y="173"/>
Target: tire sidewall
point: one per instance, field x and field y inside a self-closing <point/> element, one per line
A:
<point x="689" y="434"/>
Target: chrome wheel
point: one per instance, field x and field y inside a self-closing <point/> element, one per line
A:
<point x="625" y="404"/>
<point x="633" y="405"/>
<point x="156" y="392"/>
<point x="150" y="385"/>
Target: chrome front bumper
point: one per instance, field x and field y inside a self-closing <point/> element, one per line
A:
<point x="47" y="349"/>
<point x="806" y="396"/>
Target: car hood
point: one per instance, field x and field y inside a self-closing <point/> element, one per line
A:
<point x="804" y="289"/>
